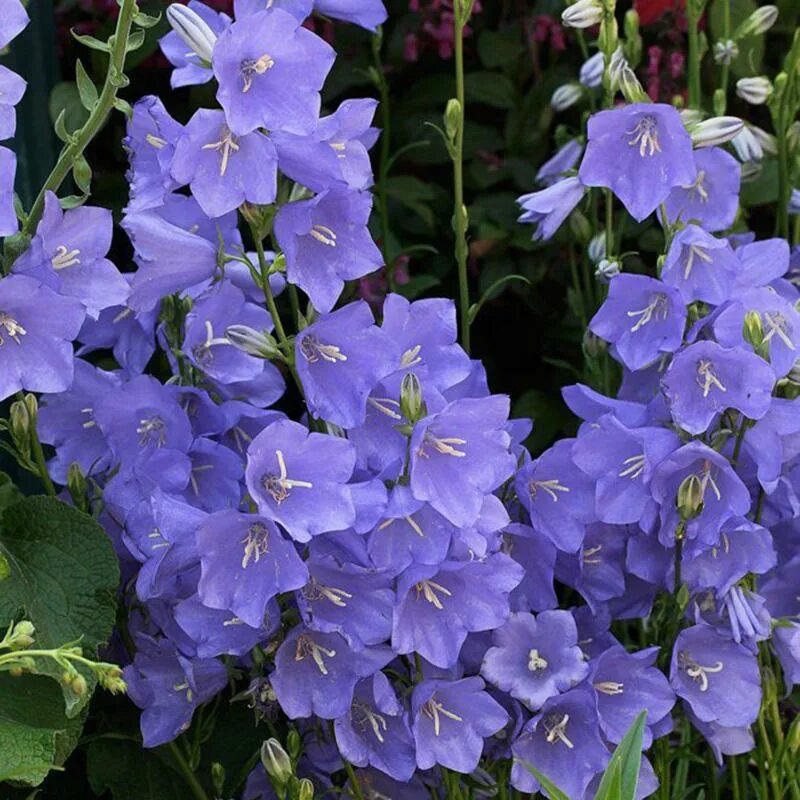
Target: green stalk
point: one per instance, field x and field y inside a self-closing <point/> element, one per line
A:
<point x="191" y="779"/>
<point x="692" y="21"/>
<point x="459" y="213"/>
<point x="38" y="455"/>
<point x="81" y="139"/>
<point x="354" y="785"/>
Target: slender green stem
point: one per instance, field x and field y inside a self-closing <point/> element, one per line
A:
<point x="38" y="456"/>
<point x="355" y="787"/>
<point x="460" y="213"/>
<point x="191" y="779"/>
<point x="736" y="791"/>
<point x="692" y="21"/>
<point x="609" y="223"/>
<point x="294" y="299"/>
<point x="97" y="117"/>
<point x="737" y="447"/>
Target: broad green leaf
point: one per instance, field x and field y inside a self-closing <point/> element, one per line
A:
<point x="64" y="575"/>
<point x="622" y="774"/>
<point x="35" y="734"/>
<point x="129" y="772"/>
<point x="548" y="785"/>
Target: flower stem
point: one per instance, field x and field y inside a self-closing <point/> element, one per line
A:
<point x="81" y="139"/>
<point x="692" y="21"/>
<point x="460" y="213"/>
<point x="38" y="456"/>
<point x="355" y="788"/>
<point x="191" y="779"/>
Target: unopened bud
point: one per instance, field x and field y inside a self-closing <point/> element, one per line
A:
<point x="755" y="91"/>
<point x="597" y="248"/>
<point x="22" y="418"/>
<point x="593" y="346"/>
<point x="78" y="685"/>
<point x="794" y="202"/>
<point x="715" y="131"/>
<point x="21" y="637"/>
<point x="452" y="118"/>
<point x="768" y="142"/>
<point x="193" y="29"/>
<point x="690" y="497"/>
<point x="77" y="485"/>
<point x="760" y="21"/>
<point x="633" y="41"/>
<point x="294" y="743"/>
<point x="752" y="329"/>
<point x="583" y="14"/>
<point x="747" y="146"/>
<point x="566" y="96"/>
<point x="218" y="778"/>
<point x="305" y="790"/>
<point x="110" y="678"/>
<point x="276" y="762"/>
<point x="631" y="88"/>
<point x="720" y="102"/>
<point x="607" y="269"/>
<point x="412" y="406"/>
<point x="255" y="343"/>
<point x="591" y="74"/>
<point x="726" y="52"/>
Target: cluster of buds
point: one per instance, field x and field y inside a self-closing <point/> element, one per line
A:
<point x="280" y="768"/>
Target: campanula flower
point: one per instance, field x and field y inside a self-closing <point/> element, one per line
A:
<point x="643" y="317"/>
<point x="712" y="199"/>
<point x="256" y="59"/>
<point x="68" y="254"/>
<point x="641" y="152"/>
<point x="451" y="720"/>
<point x="700" y="266"/>
<point x="562" y="162"/>
<point x="340" y="359"/>
<point x="223" y="169"/>
<point x="326" y="242"/>
<point x="375" y="730"/>
<point x="37" y="327"/>
<point x="245" y="562"/>
<point x="716" y="677"/>
<point x="8" y="170"/>
<point x="298" y="479"/>
<point x="760" y="263"/>
<point x="12" y="87"/>
<point x="558" y="496"/>
<point x="563" y="742"/>
<point x="13" y="20"/>
<point x="365" y="13"/>
<point x="535" y="657"/>
<point x="705" y="379"/>
<point x="548" y="208"/>
<point x="316" y="673"/>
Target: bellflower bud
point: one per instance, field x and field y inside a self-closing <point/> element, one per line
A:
<point x="77" y="485"/>
<point x="768" y="142"/>
<point x="747" y="146"/>
<point x="305" y="790"/>
<point x="218" y="778"/>
<point x="21" y="637"/>
<point x="760" y="21"/>
<point x="633" y="41"/>
<point x="690" y="498"/>
<point x="794" y="202"/>
<point x="591" y="74"/>
<point x="597" y="248"/>
<point x="452" y="118"/>
<point x="191" y="27"/>
<point x="255" y="343"/>
<point x="276" y="762"/>
<point x="607" y="269"/>
<point x="412" y="405"/>
<point x="630" y="86"/>
<point x="752" y="329"/>
<point x="715" y="131"/>
<point x="566" y="96"/>
<point x="755" y="91"/>
<point x="583" y="14"/>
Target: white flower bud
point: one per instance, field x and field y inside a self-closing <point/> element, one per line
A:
<point x="191" y="27"/>
<point x="582" y="14"/>
<point x="591" y="75"/>
<point x="755" y="91"/>
<point x="747" y="146"/>
<point x="566" y="96"/>
<point x="760" y="21"/>
<point x="715" y="131"/>
<point x="726" y="52"/>
<point x="794" y="202"/>
<point x="769" y="144"/>
<point x="751" y="171"/>
<point x="606" y="270"/>
<point x="255" y="343"/>
<point x="631" y="88"/>
<point x="597" y="248"/>
<point x="618" y="64"/>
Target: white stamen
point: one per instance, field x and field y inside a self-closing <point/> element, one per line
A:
<point x="256" y="543"/>
<point x="698" y="672"/>
<point x="227" y="145"/>
<point x="536" y="662"/>
<point x="324" y="235"/>
<point x="279" y="485"/>
<point x="645" y="134"/>
<point x="313" y="350"/>
<point x="65" y="258"/>
<point x="428" y="590"/>
<point x="252" y="67"/>
<point x="609" y="687"/>
<point x="549" y="487"/>
<point x="634" y="467"/>
<point x="411" y="357"/>
<point x="306" y="646"/>
<point x="555" y="729"/>
<point x="707" y="379"/>
<point x="432" y="709"/>
<point x="658" y="309"/>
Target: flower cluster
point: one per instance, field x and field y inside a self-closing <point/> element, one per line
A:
<point x="678" y="498"/>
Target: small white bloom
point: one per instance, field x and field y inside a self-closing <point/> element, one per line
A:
<point x="566" y="96"/>
<point x="794" y="202"/>
<point x="606" y="270"/>
<point x="715" y="131"/>
<point x="193" y="29"/>
<point x="769" y="144"/>
<point x="582" y="14"/>
<point x="591" y="75"/>
<point x="631" y="88"/>
<point x="755" y="91"/>
<point x="726" y="52"/>
<point x="597" y="248"/>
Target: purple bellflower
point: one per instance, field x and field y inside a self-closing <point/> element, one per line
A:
<point x="548" y="208"/>
<point x="222" y="169"/>
<point x="641" y="152"/>
<point x="364" y="13"/>
<point x="9" y="223"/>
<point x="13" y="20"/>
<point x="12" y="87"/>
<point x="326" y="242"/>
<point x="270" y="71"/>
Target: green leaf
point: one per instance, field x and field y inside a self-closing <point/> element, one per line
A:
<point x="135" y="40"/>
<point x="65" y="102"/>
<point x="91" y="42"/>
<point x="622" y="774"/>
<point x="35" y="734"/>
<point x="64" y="575"/>
<point x="146" y="20"/>
<point x="491" y="89"/>
<point x="548" y="785"/>
<point x="129" y="772"/>
<point x="82" y="174"/>
<point x="414" y="194"/>
<point x="86" y="88"/>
